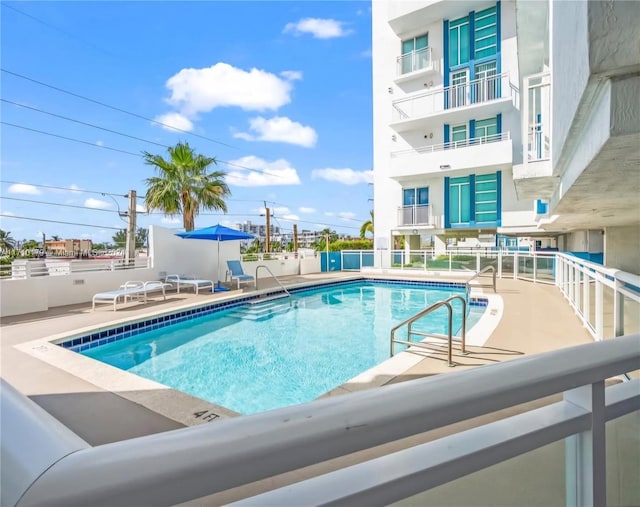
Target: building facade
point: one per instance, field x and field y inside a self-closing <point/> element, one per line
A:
<point x="487" y="123"/>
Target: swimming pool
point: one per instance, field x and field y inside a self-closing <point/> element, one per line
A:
<point x="254" y="357"/>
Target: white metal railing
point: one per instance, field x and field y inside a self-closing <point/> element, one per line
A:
<point x="583" y="284"/>
<point x="452" y="145"/>
<point x="415" y="60"/>
<point x="44" y="463"/>
<point x="418" y="214"/>
<point x="538" y="143"/>
<point x="455" y="96"/>
<point x="29" y="268"/>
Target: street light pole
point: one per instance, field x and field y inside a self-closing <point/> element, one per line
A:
<point x="130" y="253"/>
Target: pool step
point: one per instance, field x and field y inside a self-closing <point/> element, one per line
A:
<point x="255" y="312"/>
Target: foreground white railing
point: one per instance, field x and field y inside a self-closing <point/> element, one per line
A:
<point x="45" y="464"/>
<point x="454" y="145"/>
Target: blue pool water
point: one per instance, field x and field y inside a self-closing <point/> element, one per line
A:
<point x="258" y="357"/>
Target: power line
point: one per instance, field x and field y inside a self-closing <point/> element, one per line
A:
<point x="58" y="204"/>
<point x="60" y="222"/>
<point x="70" y="138"/>
<point x="63" y="188"/>
<point x="45" y="23"/>
<point x="83" y="123"/>
<point x="114" y="108"/>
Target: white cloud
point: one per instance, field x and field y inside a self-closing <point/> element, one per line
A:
<point x="367" y="53"/>
<point x="278" y="172"/>
<point x="74" y="188"/>
<point x="171" y="220"/>
<point x="222" y="85"/>
<point x="290" y="217"/>
<point x="279" y="128"/>
<point x="175" y="121"/>
<point x="99" y="143"/>
<point x="344" y="176"/>
<point x="141" y="209"/>
<point x="319" y="28"/>
<point x="8" y="213"/>
<point x="303" y="209"/>
<point x="23" y="188"/>
<point x="291" y="75"/>
<point x="97" y="203"/>
<point x="276" y="210"/>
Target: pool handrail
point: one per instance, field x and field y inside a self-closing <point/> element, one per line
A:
<point x="277" y="281"/>
<point x="483" y="270"/>
<point x="426" y="311"/>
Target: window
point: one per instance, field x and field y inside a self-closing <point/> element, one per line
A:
<point x="459" y="135"/>
<point x="459" y="41"/>
<point x="473" y="201"/>
<point x="486" y="33"/>
<point x="486" y="198"/>
<point x="486" y="84"/>
<point x="486" y="128"/>
<point x="459" y="90"/>
<point x="414" y="53"/>
<point x="415" y="196"/>
<point x="459" y="201"/>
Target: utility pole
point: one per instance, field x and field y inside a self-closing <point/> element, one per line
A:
<point x="44" y="245"/>
<point x="267" y="243"/>
<point x="295" y="238"/>
<point x="130" y="253"/>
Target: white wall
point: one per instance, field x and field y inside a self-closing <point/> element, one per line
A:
<point x="622" y="248"/>
<point x="570" y="68"/>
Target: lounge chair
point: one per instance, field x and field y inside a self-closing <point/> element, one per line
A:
<point x="130" y="290"/>
<point x="189" y="281"/>
<point x="237" y="273"/>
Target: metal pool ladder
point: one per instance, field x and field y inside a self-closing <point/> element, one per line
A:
<point x="409" y="322"/>
<point x="484" y="270"/>
<point x="277" y="281"/>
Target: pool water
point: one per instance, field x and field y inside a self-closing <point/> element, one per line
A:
<point x="258" y="357"/>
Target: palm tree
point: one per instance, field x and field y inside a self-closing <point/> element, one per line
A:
<point x="184" y="185"/>
<point x="367" y="226"/>
<point x="6" y="241"/>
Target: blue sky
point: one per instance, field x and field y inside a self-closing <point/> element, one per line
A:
<point x="279" y="92"/>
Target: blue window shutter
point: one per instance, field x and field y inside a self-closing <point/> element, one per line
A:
<point x="445" y="31"/>
<point x="447" y="222"/>
<point x="447" y="133"/>
<point x="498" y="40"/>
<point x="541" y="207"/>
<point x="472" y="129"/>
<point x="499" y="123"/>
<point x="499" y="199"/>
<point x="472" y="199"/>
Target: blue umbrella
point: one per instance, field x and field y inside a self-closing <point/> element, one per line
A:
<point x="216" y="233"/>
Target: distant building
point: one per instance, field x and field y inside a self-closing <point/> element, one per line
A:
<point x="69" y="247"/>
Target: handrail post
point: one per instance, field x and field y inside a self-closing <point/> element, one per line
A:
<point x="449" y="352"/>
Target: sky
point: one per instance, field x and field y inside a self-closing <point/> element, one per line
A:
<point x="279" y="92"/>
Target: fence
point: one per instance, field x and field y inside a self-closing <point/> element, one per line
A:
<point x="28" y="268"/>
<point x="190" y="463"/>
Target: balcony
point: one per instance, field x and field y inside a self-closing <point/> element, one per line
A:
<point x="415" y="64"/>
<point x="477" y="153"/>
<point x="534" y="177"/>
<point x="417" y="214"/>
<point x="455" y="104"/>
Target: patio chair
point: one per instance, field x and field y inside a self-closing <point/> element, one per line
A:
<point x="237" y="273"/>
<point x="189" y="281"/>
<point x="128" y="291"/>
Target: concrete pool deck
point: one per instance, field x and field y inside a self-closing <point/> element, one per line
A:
<point x="97" y="404"/>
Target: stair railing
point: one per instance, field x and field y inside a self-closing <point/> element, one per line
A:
<point x="277" y="281"/>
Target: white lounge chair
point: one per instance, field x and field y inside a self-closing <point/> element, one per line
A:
<point x="189" y="281"/>
<point x="128" y="291"/>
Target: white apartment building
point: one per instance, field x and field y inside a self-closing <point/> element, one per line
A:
<point x="510" y="117"/>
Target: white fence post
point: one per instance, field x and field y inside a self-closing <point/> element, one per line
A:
<point x="599" y="310"/>
<point x="618" y="310"/>
<point x="585" y="457"/>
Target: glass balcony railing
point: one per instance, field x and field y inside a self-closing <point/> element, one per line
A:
<point x="413" y="61"/>
<point x="418" y="214"/>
